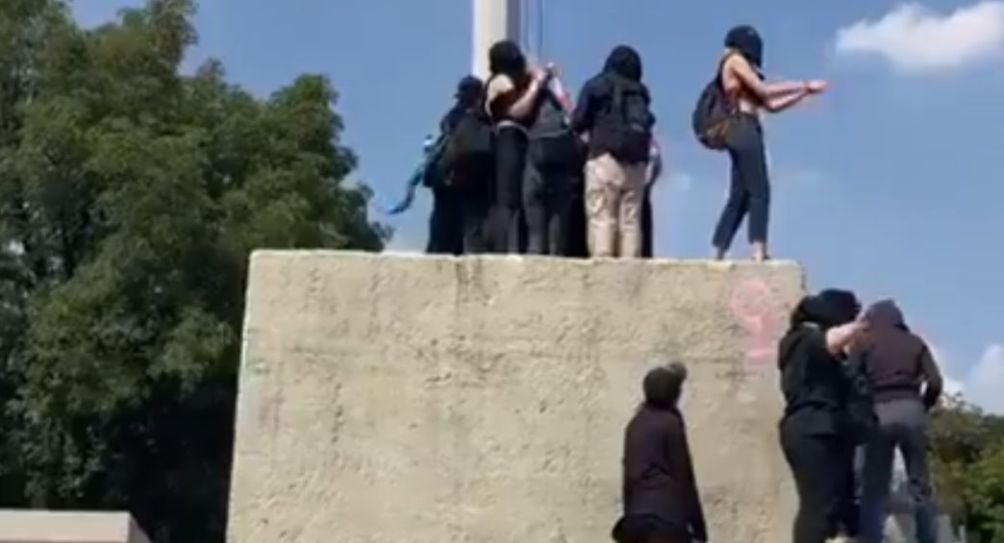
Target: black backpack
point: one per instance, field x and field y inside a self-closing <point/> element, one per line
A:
<point x="553" y="146"/>
<point x="713" y="112"/>
<point x="631" y="123"/>
<point x="860" y="419"/>
<point x="470" y="148"/>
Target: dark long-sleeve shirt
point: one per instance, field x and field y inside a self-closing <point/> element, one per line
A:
<point x="658" y="472"/>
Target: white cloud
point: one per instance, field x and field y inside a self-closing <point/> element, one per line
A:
<point x="985" y="384"/>
<point x="916" y="39"/>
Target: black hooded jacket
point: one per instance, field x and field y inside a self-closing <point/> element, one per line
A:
<point x="812" y="379"/>
<point x="659" y="477"/>
<point x="623" y="67"/>
<point x="899" y="363"/>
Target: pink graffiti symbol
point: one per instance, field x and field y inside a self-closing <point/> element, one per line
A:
<point x="753" y="305"/>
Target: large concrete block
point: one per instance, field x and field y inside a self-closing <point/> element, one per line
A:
<point x="431" y="400"/>
<point x="68" y="527"/>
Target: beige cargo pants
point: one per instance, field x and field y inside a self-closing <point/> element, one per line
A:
<point x="614" y="196"/>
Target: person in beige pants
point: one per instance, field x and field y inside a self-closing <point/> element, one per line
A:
<point x="614" y="196"/>
<point x="613" y="114"/>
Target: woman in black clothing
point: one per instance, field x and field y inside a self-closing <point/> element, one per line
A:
<point x="815" y="387"/>
<point x="742" y="80"/>
<point x="661" y="501"/>
<point x="511" y="96"/>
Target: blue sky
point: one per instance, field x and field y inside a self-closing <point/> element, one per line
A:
<point x="891" y="184"/>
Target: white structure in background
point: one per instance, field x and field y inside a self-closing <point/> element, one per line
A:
<point x="494" y="20"/>
<point x="900" y="525"/>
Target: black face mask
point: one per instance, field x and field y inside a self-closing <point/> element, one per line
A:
<point x="748" y="42"/>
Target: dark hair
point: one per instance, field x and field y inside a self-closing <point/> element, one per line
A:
<point x="829" y="308"/>
<point x="662" y="386"/>
<point x="505" y="57"/>
<point x="625" y="62"/>
<point x="470" y="91"/>
<point x="746" y="40"/>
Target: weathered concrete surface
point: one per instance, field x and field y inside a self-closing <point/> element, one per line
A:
<point x="68" y="527"/>
<point x="432" y="400"/>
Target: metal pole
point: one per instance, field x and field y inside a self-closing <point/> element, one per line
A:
<point x="494" y="20"/>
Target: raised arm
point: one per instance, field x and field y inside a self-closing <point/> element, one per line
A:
<point x="840" y="338"/>
<point x="775" y="97"/>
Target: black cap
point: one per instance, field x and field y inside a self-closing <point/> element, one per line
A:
<point x="469" y="87"/>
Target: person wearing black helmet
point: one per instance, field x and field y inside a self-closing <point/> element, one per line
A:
<point x="741" y="77"/>
<point x="660" y="497"/>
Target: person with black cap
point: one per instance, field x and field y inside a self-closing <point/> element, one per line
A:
<point x="810" y="357"/>
<point x="660" y="497"/>
<point x="741" y="77"/>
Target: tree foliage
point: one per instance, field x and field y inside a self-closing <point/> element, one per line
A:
<point x="968" y="466"/>
<point x="130" y="199"/>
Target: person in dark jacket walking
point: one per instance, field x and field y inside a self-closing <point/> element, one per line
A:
<point x="660" y="496"/>
<point x="906" y="384"/>
<point x="810" y="358"/>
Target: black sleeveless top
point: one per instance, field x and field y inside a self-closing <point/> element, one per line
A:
<point x="498" y="106"/>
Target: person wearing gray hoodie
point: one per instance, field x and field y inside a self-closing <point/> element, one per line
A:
<point x="906" y="384"/>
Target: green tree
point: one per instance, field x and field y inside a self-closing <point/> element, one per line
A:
<point x="131" y="199"/>
<point x="967" y="448"/>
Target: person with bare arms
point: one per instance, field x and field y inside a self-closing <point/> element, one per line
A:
<point x="746" y="96"/>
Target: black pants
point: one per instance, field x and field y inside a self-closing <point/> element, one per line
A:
<point x="647" y="225"/>
<point x="510" y="163"/>
<point x="477" y="223"/>
<point x="750" y="189"/>
<point x="445" y="223"/>
<point x="815" y="462"/>
<point x="849" y="503"/>
<point x="546" y="205"/>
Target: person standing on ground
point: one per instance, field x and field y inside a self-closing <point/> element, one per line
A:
<point x="614" y="112"/>
<point x="743" y="83"/>
<point x="660" y="497"/>
<point x="512" y="93"/>
<point x="810" y="357"/>
<point x="906" y="384"/>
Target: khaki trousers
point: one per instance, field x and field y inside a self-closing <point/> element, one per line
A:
<point x="614" y="196"/>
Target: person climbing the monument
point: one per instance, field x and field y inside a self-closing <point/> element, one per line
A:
<point x="512" y="94"/>
<point x="468" y="165"/>
<point x="661" y="502"/>
<point x="614" y="113"/>
<point x="815" y="387"/>
<point x="727" y="117"/>
<point x="555" y="157"/>
<point x="906" y="383"/>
